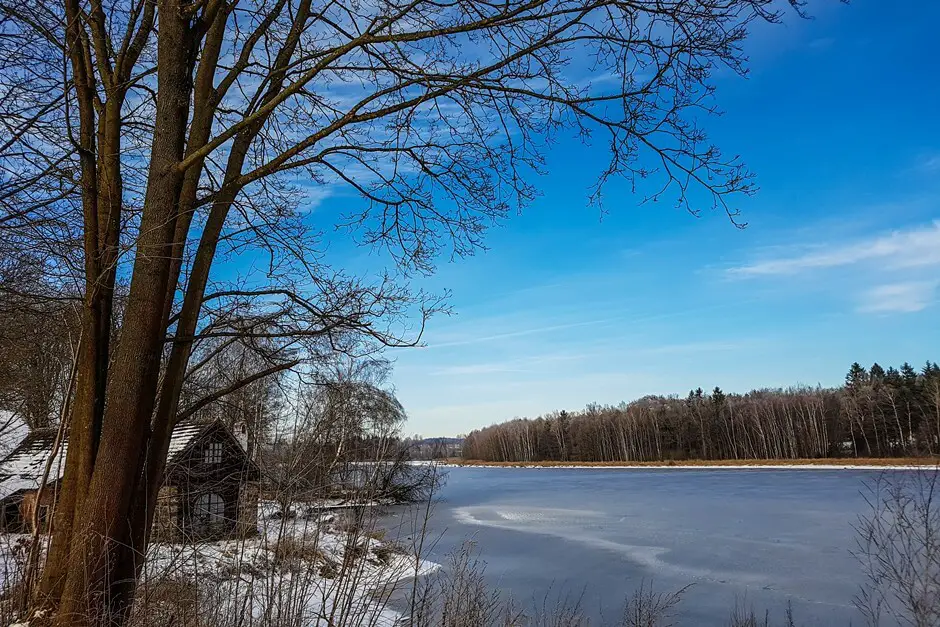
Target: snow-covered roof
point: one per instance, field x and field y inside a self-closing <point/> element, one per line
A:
<point x="24" y="467"/>
<point x="182" y="436"/>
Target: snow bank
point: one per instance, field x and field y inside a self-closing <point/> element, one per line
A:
<point x="271" y="510"/>
<point x="699" y="467"/>
<point x="300" y="570"/>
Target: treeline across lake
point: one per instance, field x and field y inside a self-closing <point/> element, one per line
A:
<point x="877" y="413"/>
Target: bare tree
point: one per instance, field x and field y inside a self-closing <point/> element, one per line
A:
<point x="894" y="417"/>
<point x="215" y="385"/>
<point x="145" y="140"/>
<point x="38" y="335"/>
<point x="647" y="608"/>
<point x="899" y="549"/>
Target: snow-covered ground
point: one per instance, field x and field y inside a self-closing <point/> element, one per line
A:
<point x="268" y="510"/>
<point x="303" y="570"/>
<point x="14" y="548"/>
<point x="694" y="467"/>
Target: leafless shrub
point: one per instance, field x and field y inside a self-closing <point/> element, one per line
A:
<point x="559" y="611"/>
<point x="167" y="603"/>
<point x="899" y="549"/>
<point x="741" y="617"/>
<point x="386" y="552"/>
<point x="292" y="553"/>
<point x="14" y="552"/>
<point x="297" y="572"/>
<point x="461" y="597"/>
<point x="648" y="608"/>
<point x="745" y="616"/>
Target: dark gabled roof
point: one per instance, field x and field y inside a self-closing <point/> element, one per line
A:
<point x="179" y="450"/>
<point x="23" y="468"/>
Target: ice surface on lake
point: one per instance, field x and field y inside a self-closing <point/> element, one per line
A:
<point x="758" y="538"/>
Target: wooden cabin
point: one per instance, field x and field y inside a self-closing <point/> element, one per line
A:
<point x="210" y="489"/>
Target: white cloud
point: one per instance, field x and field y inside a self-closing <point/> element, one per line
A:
<point x="887" y="272"/>
<point x="916" y="247"/>
<point x="905" y="297"/>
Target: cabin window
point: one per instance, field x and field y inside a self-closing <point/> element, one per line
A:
<point x="210" y="509"/>
<point x="213" y="453"/>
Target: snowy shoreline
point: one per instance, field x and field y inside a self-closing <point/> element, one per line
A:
<point x="307" y="566"/>
<point x="695" y="466"/>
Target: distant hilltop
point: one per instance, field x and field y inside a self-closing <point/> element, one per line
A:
<point x="435" y="448"/>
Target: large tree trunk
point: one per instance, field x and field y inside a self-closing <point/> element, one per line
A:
<point x="103" y="517"/>
<point x="87" y="414"/>
<point x="92" y="361"/>
<point x="206" y="99"/>
<point x="83" y="437"/>
<point x="149" y="481"/>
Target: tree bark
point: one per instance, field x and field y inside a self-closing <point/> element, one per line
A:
<point x="104" y="514"/>
<point x="92" y="370"/>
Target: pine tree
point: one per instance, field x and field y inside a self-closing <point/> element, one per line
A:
<point x="909" y="375"/>
<point x="893" y="378"/>
<point x="718" y="397"/>
<point x="856" y="376"/>
<point x="718" y="401"/>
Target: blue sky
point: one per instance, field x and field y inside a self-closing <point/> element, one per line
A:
<point x="840" y="261"/>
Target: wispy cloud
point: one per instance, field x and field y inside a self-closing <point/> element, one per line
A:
<point x="552" y="361"/>
<point x="905" y="297"/>
<point x="479" y="339"/>
<point x="314" y="194"/>
<point x="476" y="369"/>
<point x="931" y="163"/>
<point x="916" y="247"/>
<point x="886" y="272"/>
<point x="527" y="364"/>
<point x="694" y="347"/>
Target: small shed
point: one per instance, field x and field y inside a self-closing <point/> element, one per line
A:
<point x="210" y="489"/>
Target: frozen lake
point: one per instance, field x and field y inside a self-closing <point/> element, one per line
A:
<point x="758" y="538"/>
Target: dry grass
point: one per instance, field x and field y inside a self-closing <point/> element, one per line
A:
<point x="167" y="603"/>
<point x="705" y="463"/>
<point x="296" y="554"/>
